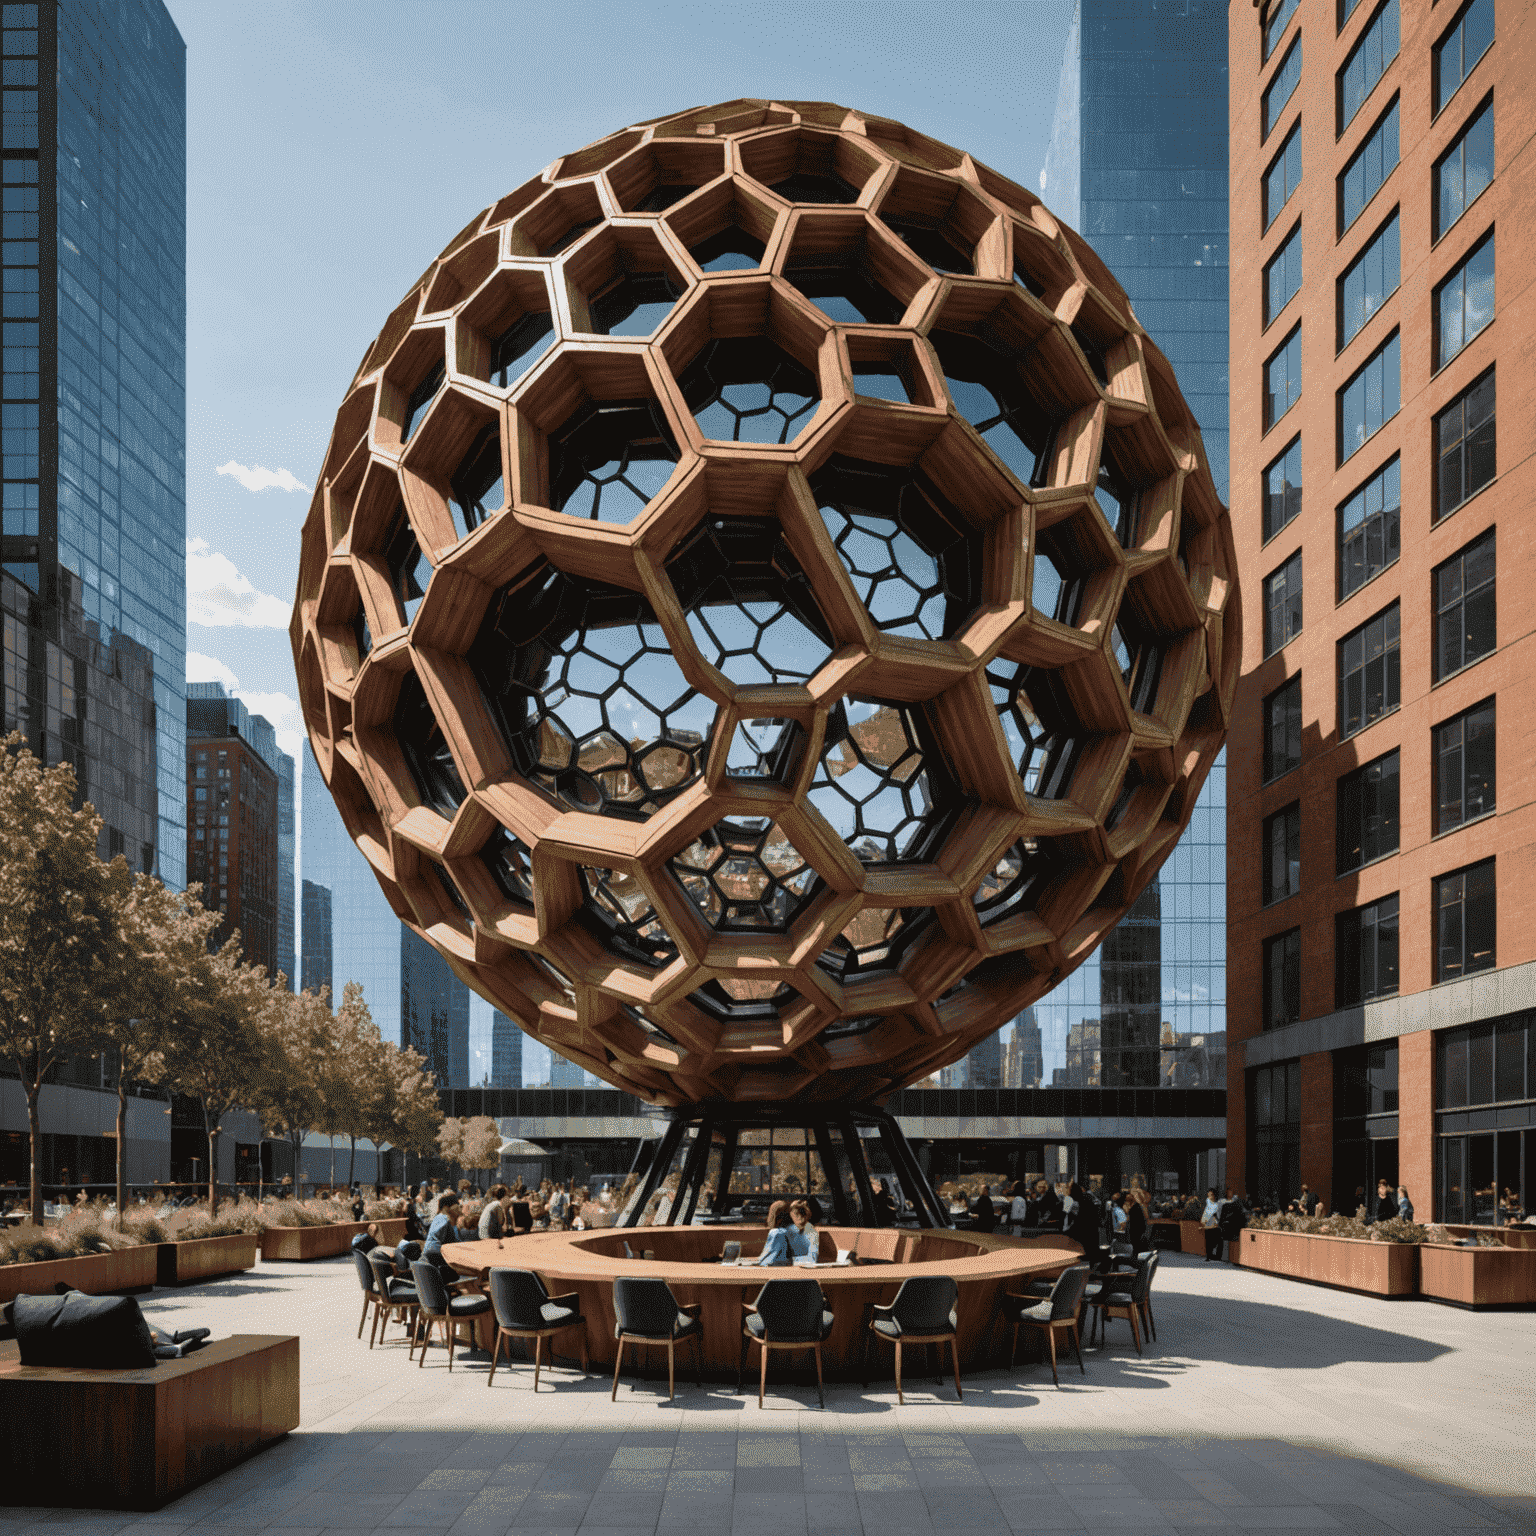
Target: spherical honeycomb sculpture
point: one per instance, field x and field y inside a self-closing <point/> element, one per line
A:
<point x="766" y="613"/>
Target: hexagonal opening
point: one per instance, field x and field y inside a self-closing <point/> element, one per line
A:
<point x="881" y="784"/>
<point x="766" y="749"/>
<point x="557" y="220"/>
<point x="989" y="392"/>
<point x="748" y="389"/>
<point x="618" y="910"/>
<point x="1038" y="724"/>
<point x="911" y="147"/>
<point x="453" y="471"/>
<point x="1076" y="568"/>
<point x="1100" y="336"/>
<point x="874" y="941"/>
<point x="410" y="384"/>
<point x="657" y="175"/>
<point x="913" y="561"/>
<point x="583" y="162"/>
<point x="941" y="220"/>
<point x="748" y="602"/>
<point x="730" y="1000"/>
<point x="1010" y="886"/>
<point x="889" y="368"/>
<point x="506" y="328"/>
<point x="510" y="864"/>
<point x="409" y="569"/>
<point x="463" y="272"/>
<point x="581" y="682"/>
<point x="727" y="228"/>
<point x="1038" y="267"/>
<point x="623" y="282"/>
<point x="854" y="271"/>
<point x="453" y="897"/>
<point x="804" y="165"/>
<point x="401" y="318"/>
<point x="427" y="756"/>
<point x="745" y="876"/>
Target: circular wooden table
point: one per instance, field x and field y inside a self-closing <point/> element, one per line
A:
<point x="687" y="1258"/>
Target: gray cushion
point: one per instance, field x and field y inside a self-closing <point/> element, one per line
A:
<point x="756" y="1327"/>
<point x="556" y="1316"/>
<point x="468" y="1306"/>
<point x="108" y="1332"/>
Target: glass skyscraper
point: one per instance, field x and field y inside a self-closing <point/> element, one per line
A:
<point x="413" y="996"/>
<point x="1138" y="165"/>
<point x="93" y="407"/>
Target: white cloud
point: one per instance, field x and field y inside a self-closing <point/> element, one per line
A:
<point x="280" y="711"/>
<point x="255" y="478"/>
<point x="218" y="595"/>
<point x="209" y="669"/>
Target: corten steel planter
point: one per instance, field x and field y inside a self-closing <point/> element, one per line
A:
<point x="202" y="1258"/>
<point x="765" y="613"/>
<point x="299" y="1244"/>
<point x="1478" y="1277"/>
<point x="1348" y="1263"/>
<point x="1512" y="1237"/>
<point x="97" y="1274"/>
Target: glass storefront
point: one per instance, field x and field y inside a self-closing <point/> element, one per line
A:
<point x="1485" y="1121"/>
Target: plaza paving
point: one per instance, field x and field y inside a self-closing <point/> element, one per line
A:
<point x="1265" y="1405"/>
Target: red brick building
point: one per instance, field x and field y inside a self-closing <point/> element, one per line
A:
<point x="1381" y="880"/>
<point x="232" y="821"/>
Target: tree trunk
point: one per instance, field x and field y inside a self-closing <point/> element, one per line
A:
<point x="212" y="1130"/>
<point x="332" y="1139"/>
<point x="35" y="1131"/>
<point x="352" y="1166"/>
<point x="122" y="1144"/>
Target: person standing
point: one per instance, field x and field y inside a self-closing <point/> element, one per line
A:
<point x="1231" y="1219"/>
<point x="983" y="1210"/>
<point x="493" y="1217"/>
<point x="1018" y="1210"/>
<point x="1404" y="1204"/>
<point x="1210" y="1220"/>
<point x="1136" y="1223"/>
<point x="1385" y="1207"/>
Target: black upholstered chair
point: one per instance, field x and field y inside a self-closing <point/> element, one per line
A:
<point x="397" y="1298"/>
<point x="1060" y="1312"/>
<point x="525" y="1310"/>
<point x="435" y="1305"/>
<point x="1124" y="1295"/>
<point x="922" y="1313"/>
<point x="371" y="1294"/>
<point x="790" y="1315"/>
<point x="647" y="1313"/>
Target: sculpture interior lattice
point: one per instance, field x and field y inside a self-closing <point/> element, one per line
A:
<point x="766" y="613"/>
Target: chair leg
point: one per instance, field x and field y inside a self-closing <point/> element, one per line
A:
<point x="899" y="1398"/>
<point x="1077" y="1339"/>
<point x="1135" y="1329"/>
<point x="762" y="1374"/>
<point x="451" y="1328"/>
<point x="538" y="1358"/>
<point x="821" y="1391"/>
<point x="1050" y="1334"/>
<point x="671" y="1369"/>
<point x="367" y="1297"/>
<point x="741" y="1359"/>
<point x="698" y="1359"/>
<point x="1151" y="1321"/>
<point x="618" y="1361"/>
<point x="583" y="1349"/>
<point x="495" y="1356"/>
<point x="954" y="1360"/>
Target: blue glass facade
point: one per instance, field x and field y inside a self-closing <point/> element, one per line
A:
<point x="413" y="996"/>
<point x="1138" y="164"/>
<point x="93" y="414"/>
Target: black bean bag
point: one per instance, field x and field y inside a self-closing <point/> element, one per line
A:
<point x="108" y="1332"/>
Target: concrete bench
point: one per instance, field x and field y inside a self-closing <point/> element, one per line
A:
<point x="136" y="1439"/>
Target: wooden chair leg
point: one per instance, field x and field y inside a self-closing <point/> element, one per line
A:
<point x="538" y="1358"/>
<point x="821" y="1392"/>
<point x="899" y="1398"/>
<point x="954" y="1360"/>
<point x="1051" y="1336"/>
<point x="671" y="1369"/>
<point x="1151" y="1321"/>
<point x="495" y="1356"/>
<point x="741" y="1358"/>
<point x="1135" y="1330"/>
<point x="451" y="1328"/>
<point x="762" y="1375"/>
<point x="367" y="1297"/>
<point x="618" y="1360"/>
<point x="1077" y="1339"/>
<point x="583" y="1349"/>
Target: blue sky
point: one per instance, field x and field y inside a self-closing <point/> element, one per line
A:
<point x="334" y="148"/>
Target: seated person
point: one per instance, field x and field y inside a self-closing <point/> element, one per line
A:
<point x="804" y="1242"/>
<point x="777" y="1249"/>
<point x="444" y="1229"/>
<point x="493" y="1217"/>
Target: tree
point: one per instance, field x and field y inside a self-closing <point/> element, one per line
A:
<point x="212" y="1047"/>
<point x="158" y="990"/>
<point x="481" y="1143"/>
<point x="450" y="1141"/>
<point x="295" y="1030"/>
<point x="412" y="1111"/>
<point x="360" y="1049"/>
<point x="59" y="936"/>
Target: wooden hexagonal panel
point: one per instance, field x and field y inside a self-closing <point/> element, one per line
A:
<point x="818" y="615"/>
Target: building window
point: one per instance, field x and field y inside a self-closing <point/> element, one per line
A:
<point x="1365" y="953"/>
<point x="1282" y="979"/>
<point x="1465" y="614"/>
<point x="1464" y="171"/>
<point x="1282" y="729"/>
<point x="1283" y="176"/>
<point x="1464" y="921"/>
<point x="1282" y="277"/>
<point x="1281" y="89"/>
<point x="1464" y="767"/>
<point x="1274" y="1112"/>
<point x="1368" y="280"/>
<point x="1367" y="62"/>
<point x="1346" y="10"/>
<point x="1464" y="303"/>
<point x="1370" y="399"/>
<point x="1282" y="854"/>
<point x="1457" y="53"/>
<point x="1370" y="674"/>
<point x="1370" y="536"/>
<point x="1486" y="1171"/>
<point x="1367" y="818"/>
<point x="1465" y="446"/>
<point x="1280" y="13"/>
<point x="1282" y="490"/>
<point x="1282" y="605"/>
<point x="1370" y="166"/>
<point x="1489" y="1063"/>
<point x="1282" y="379"/>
